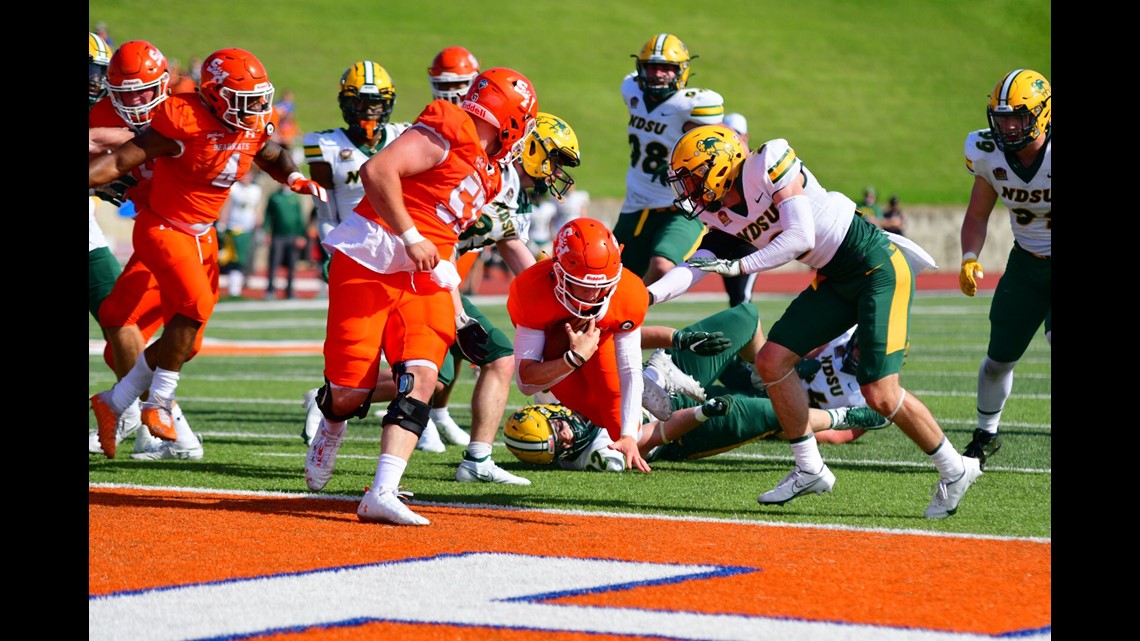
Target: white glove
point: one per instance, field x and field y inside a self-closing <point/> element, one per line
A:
<point x="722" y="266"/>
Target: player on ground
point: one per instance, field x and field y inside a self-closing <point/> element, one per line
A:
<point x="585" y="300"/>
<point x="662" y="107"/>
<point x="1011" y="160"/>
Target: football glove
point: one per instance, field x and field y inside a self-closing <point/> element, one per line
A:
<point x="701" y="343"/>
<point x="115" y="191"/>
<point x="302" y="185"/>
<point x="971" y="270"/>
<point x="472" y="338"/>
<point x="717" y="406"/>
<point x="722" y="266"/>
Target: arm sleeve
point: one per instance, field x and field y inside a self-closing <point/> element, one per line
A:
<point x="678" y="280"/>
<point x="797" y="238"/>
<point x="628" y="346"/>
<point x="529" y="344"/>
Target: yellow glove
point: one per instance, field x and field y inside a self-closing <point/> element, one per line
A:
<point x="971" y="269"/>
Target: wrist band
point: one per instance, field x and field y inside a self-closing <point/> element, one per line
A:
<point x="968" y="256"/>
<point x="411" y="236"/>
<point x="573" y="359"/>
<point x="294" y="177"/>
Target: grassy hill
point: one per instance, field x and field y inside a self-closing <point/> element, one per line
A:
<point x="879" y="92"/>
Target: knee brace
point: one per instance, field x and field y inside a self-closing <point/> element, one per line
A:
<point x="325" y="404"/>
<point x="408" y="413"/>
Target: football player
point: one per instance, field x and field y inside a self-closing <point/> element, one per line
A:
<point x="577" y="321"/>
<point x="392" y="278"/>
<point x="451" y="73"/>
<point x="1011" y="159"/>
<point x="200" y="144"/>
<point x="686" y="426"/>
<point x="366" y="98"/>
<point x="136" y="83"/>
<point x="771" y="198"/>
<point x="661" y="107"/>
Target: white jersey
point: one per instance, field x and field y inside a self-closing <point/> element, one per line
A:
<point x="95" y="237"/>
<point x="767" y="170"/>
<point x="244" y="203"/>
<point x="831" y="388"/>
<point x="1028" y="196"/>
<point x="332" y="146"/>
<point x="500" y="219"/>
<point x="652" y="134"/>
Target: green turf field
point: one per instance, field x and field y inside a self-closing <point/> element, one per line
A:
<point x="879" y="92"/>
<point x="248" y="410"/>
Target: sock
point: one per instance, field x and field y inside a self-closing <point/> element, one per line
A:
<point x="236" y="281"/>
<point x="389" y="471"/>
<point x="164" y="383"/>
<point x="131" y="387"/>
<point x="948" y="461"/>
<point x="995" y="383"/>
<point x="477" y="451"/>
<point x="806" y="451"/>
<point x="439" y="414"/>
<point x="334" y="428"/>
<point x="130" y="416"/>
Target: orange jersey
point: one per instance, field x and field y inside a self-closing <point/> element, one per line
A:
<point x="446" y="199"/>
<point x="103" y="114"/>
<point x="191" y="187"/>
<point x="594" y="390"/>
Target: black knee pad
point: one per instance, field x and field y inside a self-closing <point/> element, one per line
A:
<point x="408" y="413"/>
<point x="324" y="403"/>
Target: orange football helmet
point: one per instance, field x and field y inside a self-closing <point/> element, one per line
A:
<point x="586" y="256"/>
<point x="506" y="99"/>
<point x="451" y="73"/>
<point x="137" y="81"/>
<point x="236" y="87"/>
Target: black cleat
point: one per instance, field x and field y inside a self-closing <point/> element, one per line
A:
<point x="983" y="446"/>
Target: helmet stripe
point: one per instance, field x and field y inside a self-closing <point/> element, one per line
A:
<point x="1003" y="95"/>
<point x="369" y="76"/>
<point x="659" y="44"/>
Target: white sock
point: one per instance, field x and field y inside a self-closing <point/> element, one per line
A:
<point x="334" y="428"/>
<point x="131" y="387"/>
<point x="948" y="461"/>
<point x="237" y="279"/>
<point x="440" y="413"/>
<point x="477" y="450"/>
<point x="995" y="383"/>
<point x="389" y="471"/>
<point x="807" y="455"/>
<point x="164" y="383"/>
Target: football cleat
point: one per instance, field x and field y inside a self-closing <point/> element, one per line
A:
<point x="312" y="416"/>
<point x="449" y="430"/>
<point x="386" y="507"/>
<point x="155" y="414"/>
<point x="851" y="418"/>
<point x="983" y="446"/>
<point x="947" y="494"/>
<point x="670" y="377"/>
<point x="798" y="483"/>
<point x="321" y="458"/>
<point x="485" y="471"/>
<point x="430" y="440"/>
<point x="158" y="450"/>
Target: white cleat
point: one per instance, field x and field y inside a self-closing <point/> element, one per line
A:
<point x="798" y="483"/>
<point x="159" y="449"/>
<point x="670" y="377"/>
<point x="486" y="472"/>
<point x="450" y="431"/>
<point x="947" y="494"/>
<point x="312" y="416"/>
<point x="386" y="507"/>
<point x="321" y="458"/>
<point x="429" y="439"/>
